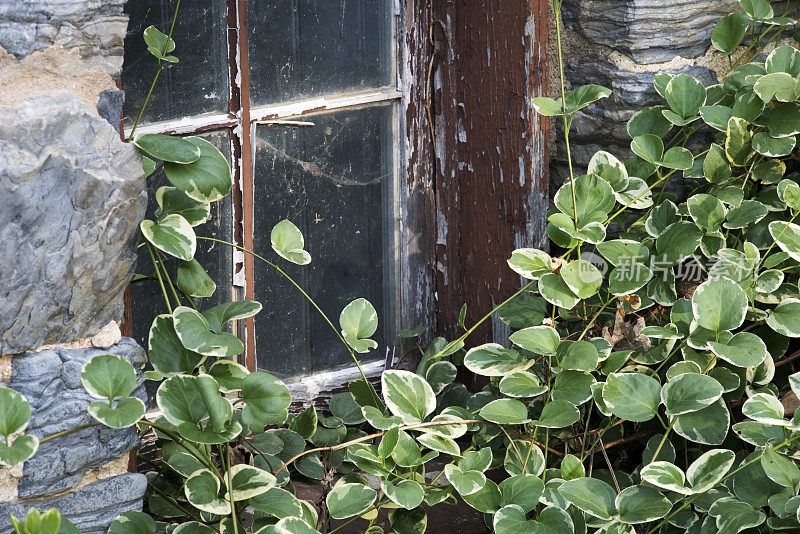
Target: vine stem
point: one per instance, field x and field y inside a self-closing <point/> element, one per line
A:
<point x="413" y="426"/>
<point x="158" y="274"/>
<point x="181" y="442"/>
<point x="158" y="71"/>
<point x="230" y="490"/>
<point x="306" y="295"/>
<point x="69" y="431"/>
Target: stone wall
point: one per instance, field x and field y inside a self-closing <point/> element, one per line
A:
<point x="72" y="195"/>
<point x="622" y="45"/>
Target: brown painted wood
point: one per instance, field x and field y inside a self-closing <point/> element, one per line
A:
<point x="490" y="150"/>
<point x="417" y="246"/>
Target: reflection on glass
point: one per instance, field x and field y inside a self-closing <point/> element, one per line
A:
<point x="334" y="181"/>
<point x="300" y="48"/>
<point x="198" y="83"/>
<point x="146" y="296"/>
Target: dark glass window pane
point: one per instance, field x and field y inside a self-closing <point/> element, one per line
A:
<point x="216" y="259"/>
<point x="334" y="181"/>
<point x="199" y="82"/>
<point x="300" y="48"/>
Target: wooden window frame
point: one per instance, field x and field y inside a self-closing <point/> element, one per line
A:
<point x="440" y="85"/>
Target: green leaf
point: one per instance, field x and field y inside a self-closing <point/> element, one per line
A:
<point x="522" y="490"/>
<point x="349" y="499"/>
<point x="609" y="168"/>
<point x="541" y="340"/>
<point x="521" y="385"/>
<point x="632" y="396"/>
<point x="787" y="237"/>
<point x="716" y="116"/>
<point x="193" y="527"/>
<point x="168" y="148"/>
<point x="405" y="493"/>
<point x="580" y="356"/>
<point x="523" y="310"/>
<point x="685" y="95"/>
<point x="22" y="448"/>
<point x="277" y="502"/>
<point x="248" y="481"/>
<point x="585" y="95"/>
<point x="641" y="504"/>
<point x="785" y="318"/>
<point x="207" y="179"/>
<point x="343" y="406"/>
<point x="719" y="304"/>
<point x="745" y="349"/>
<point x="784" y="58"/>
<point x="172" y="235"/>
<point x="555" y="291"/>
<point x="778" y="85"/>
<point x="623" y="251"/>
<point x="492" y="359"/>
<point x="557" y="414"/>
<point x="170" y="200"/>
<point x="287" y="241"/>
<point x="267" y="398"/>
<point x="707" y="211"/>
<point x="547" y="106"/>
<point x="729" y="32"/>
<point x="191" y="399"/>
<point x="665" y="475"/>
<point x="439" y="375"/>
<point x="194" y="281"/>
<point x="678" y="241"/>
<point x="716" y="168"/>
<point x="773" y="147"/>
<point x="733" y="515"/>
<point x="133" y="522"/>
<point x="582" y="278"/>
<point x="745" y="214"/>
<point x="108" y="376"/>
<point x="505" y="412"/>
<point x="126" y="413"/>
<point x="358" y="322"/>
<point x="708" y="426"/>
<point x="529" y="263"/>
<point x="764" y="408"/>
<point x="591" y="495"/>
<point x="678" y="158"/>
<point x="738" y="144"/>
<point x="407" y="395"/>
<point x="573" y="386"/>
<point x="158" y="43"/>
<point x="789" y="193"/>
<point x="228" y="374"/>
<point x="466" y="482"/>
<point x="757" y="9"/>
<point x="690" y="392"/>
<point x="709" y="469"/>
<point x="594" y="199"/>
<point x="780" y="469"/>
<point x="649" y="121"/>
<point x="15" y="412"/>
<point x="648" y="147"/>
<point x="195" y="334"/>
<point x="487" y="499"/>
<point x="202" y="491"/>
<point x="305" y="423"/>
<point x="219" y="316"/>
<point x="784" y="120"/>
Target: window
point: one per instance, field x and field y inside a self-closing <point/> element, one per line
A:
<point x="301" y="96"/>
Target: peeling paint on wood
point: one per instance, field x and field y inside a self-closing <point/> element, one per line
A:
<point x="490" y="149"/>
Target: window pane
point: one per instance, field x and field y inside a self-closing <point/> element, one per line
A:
<point x="146" y="296"/>
<point x="198" y="83"/>
<point x="334" y="181"/>
<point x="300" y="48"/>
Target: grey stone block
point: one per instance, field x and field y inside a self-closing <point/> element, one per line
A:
<point x="109" y="106"/>
<point x="92" y="508"/>
<point x="71" y="199"/>
<point x="95" y="27"/>
<point x="50" y="380"/>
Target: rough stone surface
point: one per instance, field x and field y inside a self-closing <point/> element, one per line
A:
<point x="92" y="508"/>
<point x="71" y="198"/>
<point x="649" y="31"/>
<point x="96" y="28"/>
<point x="622" y="44"/>
<point x="51" y="381"/>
